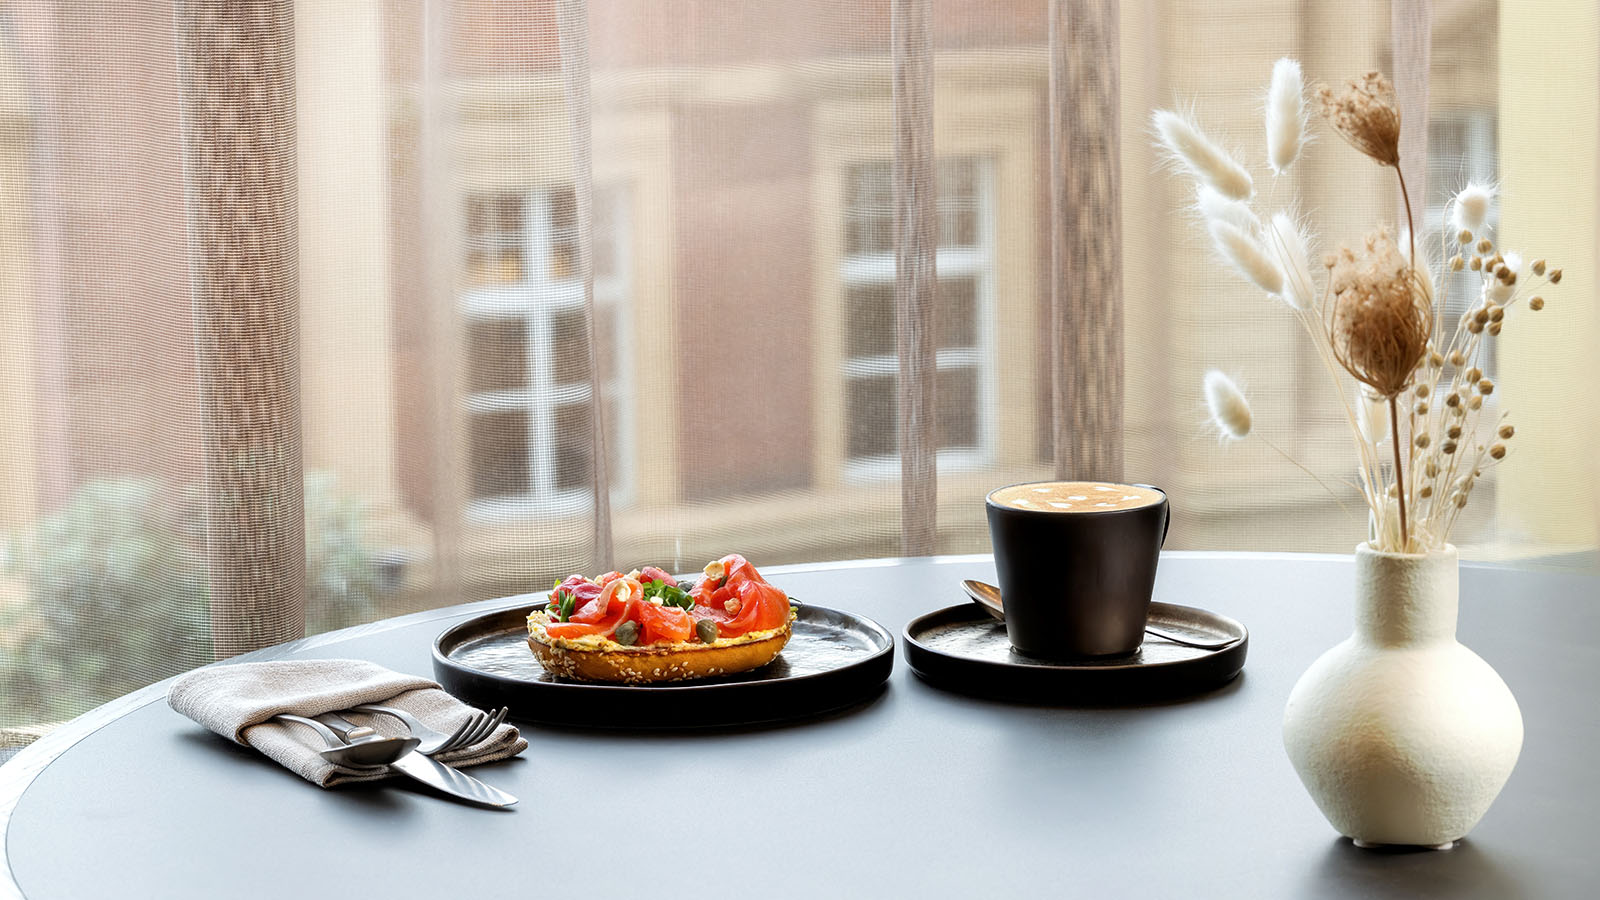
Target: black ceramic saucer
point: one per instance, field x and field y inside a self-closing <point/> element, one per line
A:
<point x="963" y="648"/>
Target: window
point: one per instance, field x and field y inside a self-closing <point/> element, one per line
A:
<point x="871" y="366"/>
<point x="526" y="370"/>
<point x="1461" y="148"/>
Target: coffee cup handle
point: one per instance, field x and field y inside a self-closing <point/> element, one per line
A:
<point x="1166" y="525"/>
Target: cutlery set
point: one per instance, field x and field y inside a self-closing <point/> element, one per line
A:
<point x="359" y="747"/>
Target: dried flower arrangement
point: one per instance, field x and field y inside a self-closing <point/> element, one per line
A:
<point x="1378" y="316"/>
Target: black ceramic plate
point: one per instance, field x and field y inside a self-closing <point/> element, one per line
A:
<point x="964" y="648"/>
<point x="833" y="659"/>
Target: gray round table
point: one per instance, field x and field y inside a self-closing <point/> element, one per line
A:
<point x="918" y="792"/>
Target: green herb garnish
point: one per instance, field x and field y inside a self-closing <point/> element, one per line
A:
<point x="670" y="594"/>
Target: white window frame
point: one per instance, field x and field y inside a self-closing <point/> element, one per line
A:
<point x="977" y="262"/>
<point x="536" y="300"/>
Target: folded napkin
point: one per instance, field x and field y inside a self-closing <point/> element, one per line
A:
<point x="238" y="702"/>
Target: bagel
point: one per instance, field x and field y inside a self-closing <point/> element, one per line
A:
<point x="593" y="658"/>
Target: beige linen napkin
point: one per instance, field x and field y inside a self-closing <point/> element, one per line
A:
<point x="238" y="702"/>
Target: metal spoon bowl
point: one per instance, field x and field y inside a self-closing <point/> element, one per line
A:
<point x="988" y="596"/>
<point x="369" y="754"/>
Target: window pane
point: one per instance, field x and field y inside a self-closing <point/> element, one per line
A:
<point x="958" y="312"/>
<point x="497" y="355"/>
<point x="869" y="320"/>
<point x="574" y="447"/>
<point x="498" y="453"/>
<point x="869" y="204"/>
<point x="958" y="408"/>
<point x="872" y="416"/>
<point x="958" y="203"/>
<point x="563" y="234"/>
<point x="569" y="353"/>
<point x="493" y="239"/>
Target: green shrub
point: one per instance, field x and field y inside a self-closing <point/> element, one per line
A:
<point x="117" y="593"/>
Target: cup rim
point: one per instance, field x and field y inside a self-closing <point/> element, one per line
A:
<point x="988" y="499"/>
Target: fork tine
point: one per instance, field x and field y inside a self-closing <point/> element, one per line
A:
<point x="471" y="737"/>
<point x="494" y="723"/>
<point x="485" y="728"/>
<point x="466" y="728"/>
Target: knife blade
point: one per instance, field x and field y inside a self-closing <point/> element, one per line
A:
<point x="441" y="777"/>
<point x="429" y="771"/>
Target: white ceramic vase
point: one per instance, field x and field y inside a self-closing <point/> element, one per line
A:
<point x="1402" y="735"/>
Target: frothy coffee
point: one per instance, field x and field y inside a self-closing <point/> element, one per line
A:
<point x="1075" y="496"/>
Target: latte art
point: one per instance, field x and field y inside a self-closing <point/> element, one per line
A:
<point x="1076" y="496"/>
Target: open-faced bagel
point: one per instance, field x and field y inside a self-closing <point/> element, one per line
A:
<point x="594" y="659"/>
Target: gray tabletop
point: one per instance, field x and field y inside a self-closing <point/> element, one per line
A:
<point x="916" y="793"/>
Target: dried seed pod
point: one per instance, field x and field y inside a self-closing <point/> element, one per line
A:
<point x="1485" y="245"/>
<point x="1480" y="315"/>
<point x="1476" y="403"/>
<point x="1486" y="387"/>
<point x="1423" y="389"/>
<point x="1494" y="329"/>
<point x="1426" y="492"/>
<point x="1461" y="501"/>
<point x="1476" y="263"/>
<point x="1422" y="440"/>
<point x="1393" y="491"/>
<point x="1421" y="408"/>
<point x="1505" y="432"/>
<point x="1474" y="326"/>
<point x="1457" y="359"/>
<point x="1452" y="400"/>
<point x="1464" y="237"/>
<point x="1496" y="313"/>
<point x="1453" y="432"/>
<point x="1504" y="274"/>
<point x="1447" y="448"/>
<point x="1536" y="304"/>
<point x="1431" y="469"/>
<point x="1436" y="360"/>
<point x="1555" y="276"/>
<point x="1474" y="374"/>
<point x="1498" y="451"/>
<point x="1538" y="267"/>
<point x="1457" y="263"/>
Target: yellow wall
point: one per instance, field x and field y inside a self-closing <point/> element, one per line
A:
<point x="1548" y="103"/>
<point x="347" y="354"/>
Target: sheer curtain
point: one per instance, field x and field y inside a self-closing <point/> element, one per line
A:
<point x="318" y="312"/>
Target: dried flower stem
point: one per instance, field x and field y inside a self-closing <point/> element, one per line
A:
<point x="1399" y="475"/>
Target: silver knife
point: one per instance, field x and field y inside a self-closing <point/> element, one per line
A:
<point x="435" y="774"/>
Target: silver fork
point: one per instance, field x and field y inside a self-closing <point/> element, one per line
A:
<point x="478" y="726"/>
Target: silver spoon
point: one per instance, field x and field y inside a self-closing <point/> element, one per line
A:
<point x="988" y="596"/>
<point x="368" y="754"/>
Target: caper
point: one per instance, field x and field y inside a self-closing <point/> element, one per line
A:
<point x="626" y="634"/>
<point x="707" y="630"/>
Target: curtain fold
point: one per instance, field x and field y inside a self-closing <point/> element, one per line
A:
<point x="237" y="90"/>
<point x="573" y="31"/>
<point x="916" y="281"/>
<point x="1086" y="330"/>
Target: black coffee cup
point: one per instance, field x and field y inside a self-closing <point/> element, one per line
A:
<point x="1076" y="583"/>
